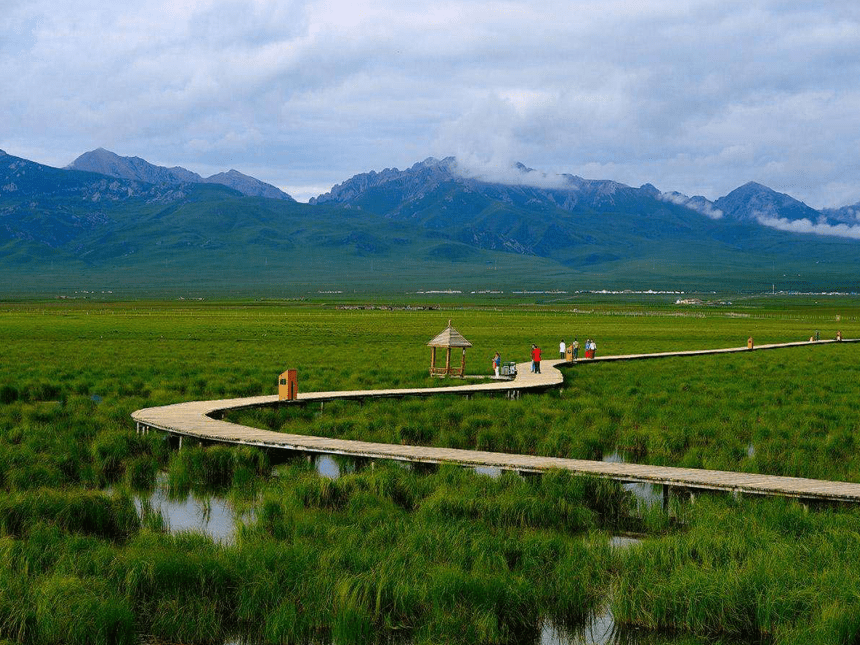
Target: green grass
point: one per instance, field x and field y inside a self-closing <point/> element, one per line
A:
<point x="447" y="556"/>
<point x="792" y="412"/>
<point x="754" y="568"/>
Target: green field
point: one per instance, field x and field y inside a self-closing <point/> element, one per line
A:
<point x="448" y="556"/>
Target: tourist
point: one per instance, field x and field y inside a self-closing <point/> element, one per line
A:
<point x="575" y="348"/>
<point x="497" y="363"/>
<point x="562" y="348"/>
<point x="589" y="348"/>
<point x="593" y="349"/>
<point x="535" y="359"/>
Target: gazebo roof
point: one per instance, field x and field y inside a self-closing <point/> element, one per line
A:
<point x="449" y="338"/>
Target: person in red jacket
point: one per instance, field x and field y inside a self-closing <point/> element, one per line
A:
<point x="535" y="359"/>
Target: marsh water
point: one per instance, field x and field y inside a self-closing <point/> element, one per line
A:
<point x="214" y="516"/>
<point x="209" y="514"/>
<point x="647" y="494"/>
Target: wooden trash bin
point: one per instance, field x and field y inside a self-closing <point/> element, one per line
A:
<point x="288" y="386"/>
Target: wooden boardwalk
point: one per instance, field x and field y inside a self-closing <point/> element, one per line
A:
<point x="200" y="419"/>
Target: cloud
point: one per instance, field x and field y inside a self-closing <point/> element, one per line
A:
<point x="806" y="226"/>
<point x="509" y="175"/>
<point x="699" y="204"/>
<point x="690" y="95"/>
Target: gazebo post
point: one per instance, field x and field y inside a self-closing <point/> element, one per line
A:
<point x="448" y="361"/>
<point x="463" y="364"/>
<point x="432" y="360"/>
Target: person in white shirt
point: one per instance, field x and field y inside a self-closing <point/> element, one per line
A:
<point x="561" y="348"/>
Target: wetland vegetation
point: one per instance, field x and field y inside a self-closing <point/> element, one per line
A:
<point x="393" y="554"/>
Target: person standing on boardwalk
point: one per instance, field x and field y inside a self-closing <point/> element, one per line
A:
<point x="533" y="358"/>
<point x="561" y="349"/>
<point x="536" y="359"/>
<point x="593" y="349"/>
<point x="497" y="363"/>
<point x="575" y="348"/>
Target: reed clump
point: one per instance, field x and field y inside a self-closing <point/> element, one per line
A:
<point x="216" y="467"/>
<point x="398" y="556"/>
<point x="751" y="569"/>
<point x="89" y="512"/>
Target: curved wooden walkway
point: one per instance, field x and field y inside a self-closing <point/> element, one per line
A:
<point x="199" y="419"/>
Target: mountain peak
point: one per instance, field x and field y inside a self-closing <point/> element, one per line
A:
<point x="109" y="163"/>
<point x="247" y="185"/>
<point x="755" y="186"/>
<point x="433" y="162"/>
<point x="754" y="201"/>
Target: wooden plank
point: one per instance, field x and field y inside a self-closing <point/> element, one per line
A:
<point x="195" y="419"/>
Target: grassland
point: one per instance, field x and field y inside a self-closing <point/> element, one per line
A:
<point x="448" y="556"/>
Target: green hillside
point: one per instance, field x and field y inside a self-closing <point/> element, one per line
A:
<point x="64" y="231"/>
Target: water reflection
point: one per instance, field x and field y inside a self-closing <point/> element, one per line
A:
<point x="327" y="467"/>
<point x="645" y="494"/>
<point x="624" y="541"/>
<point x="493" y="472"/>
<point x="210" y="514"/>
<point x="599" y="627"/>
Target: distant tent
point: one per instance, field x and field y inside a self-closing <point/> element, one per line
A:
<point x="449" y="338"/>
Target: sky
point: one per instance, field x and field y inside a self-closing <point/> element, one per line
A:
<point x="693" y="96"/>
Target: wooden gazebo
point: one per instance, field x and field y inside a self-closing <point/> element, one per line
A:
<point x="448" y="339"/>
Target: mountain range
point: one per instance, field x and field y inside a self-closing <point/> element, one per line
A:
<point x="111" y="164"/>
<point x="136" y="228"/>
<point x="751" y="202"/>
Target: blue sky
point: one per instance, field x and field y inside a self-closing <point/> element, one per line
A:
<point x="694" y="96"/>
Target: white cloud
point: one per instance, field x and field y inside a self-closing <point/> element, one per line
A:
<point x="699" y="205"/>
<point x="806" y="226"/>
<point x="695" y="96"/>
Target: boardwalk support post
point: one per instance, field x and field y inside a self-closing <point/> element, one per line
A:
<point x="666" y="493"/>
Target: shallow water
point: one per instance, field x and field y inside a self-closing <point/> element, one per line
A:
<point x="599" y="627"/>
<point x="647" y="494"/>
<point x="214" y="516"/>
<point x="327" y="467"/>
<point x="493" y="472"/>
<point x="211" y="515"/>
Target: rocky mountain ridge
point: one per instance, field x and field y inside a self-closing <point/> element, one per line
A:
<point x="108" y="163"/>
<point x="404" y="194"/>
<point x="426" y="227"/>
